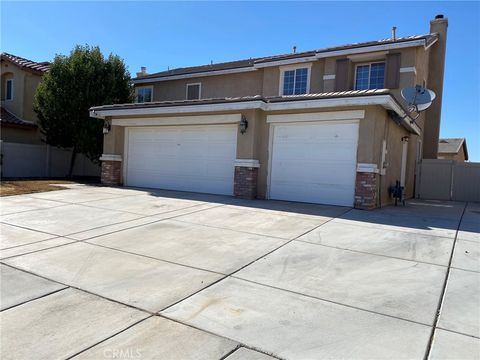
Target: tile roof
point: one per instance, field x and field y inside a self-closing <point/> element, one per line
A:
<point x="429" y="38"/>
<point x="452" y="146"/>
<point x="268" y="99"/>
<point x="37" y="67"/>
<point x="7" y="117"/>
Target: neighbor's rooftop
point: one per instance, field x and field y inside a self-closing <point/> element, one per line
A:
<point x="26" y="64"/>
<point x="452" y="146"/>
<point x="7" y="118"/>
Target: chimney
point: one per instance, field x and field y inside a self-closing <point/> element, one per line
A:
<point x="394" y="33"/>
<point x="142" y="72"/>
<point x="436" y="67"/>
<point x="294" y="49"/>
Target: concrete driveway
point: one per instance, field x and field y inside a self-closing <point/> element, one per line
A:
<point x="112" y="273"/>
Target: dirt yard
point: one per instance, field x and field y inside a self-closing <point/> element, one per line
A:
<point x="19" y="187"/>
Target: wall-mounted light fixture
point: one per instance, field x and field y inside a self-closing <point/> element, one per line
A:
<point x="106" y="127"/>
<point x="243" y="125"/>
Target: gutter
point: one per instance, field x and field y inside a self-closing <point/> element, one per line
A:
<point x="387" y="101"/>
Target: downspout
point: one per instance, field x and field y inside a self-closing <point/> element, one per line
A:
<point x="383" y="164"/>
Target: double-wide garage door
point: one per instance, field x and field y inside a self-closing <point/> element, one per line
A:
<point x="187" y="158"/>
<point x="314" y="162"/>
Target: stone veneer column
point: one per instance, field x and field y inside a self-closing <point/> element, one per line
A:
<point x="111" y="169"/>
<point x="366" y="186"/>
<point x="245" y="180"/>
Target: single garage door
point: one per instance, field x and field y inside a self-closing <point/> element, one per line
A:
<point x="187" y="158"/>
<point x="314" y="162"/>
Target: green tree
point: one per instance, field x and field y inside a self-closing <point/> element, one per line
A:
<point x="72" y="85"/>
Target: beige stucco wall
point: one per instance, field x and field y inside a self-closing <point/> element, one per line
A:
<point x="271" y="79"/>
<point x="232" y="85"/>
<point x="435" y="74"/>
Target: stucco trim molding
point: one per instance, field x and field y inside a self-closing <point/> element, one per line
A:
<point x="180" y="120"/>
<point x="247" y="163"/>
<point x="296" y="61"/>
<point x="329" y="77"/>
<point x="110" y="157"/>
<point x="317" y="116"/>
<point x="412" y="69"/>
<point x="367" y="168"/>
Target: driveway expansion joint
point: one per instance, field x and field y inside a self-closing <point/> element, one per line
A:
<point x="35" y="298"/>
<point x="370" y="253"/>
<point x="444" y="287"/>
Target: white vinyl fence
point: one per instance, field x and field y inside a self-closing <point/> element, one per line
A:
<point x="448" y="180"/>
<point x="28" y="160"/>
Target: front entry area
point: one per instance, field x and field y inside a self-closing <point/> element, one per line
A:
<point x="187" y="158"/>
<point x="314" y="162"/>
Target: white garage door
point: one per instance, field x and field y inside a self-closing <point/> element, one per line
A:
<point x="314" y="162"/>
<point x="187" y="158"/>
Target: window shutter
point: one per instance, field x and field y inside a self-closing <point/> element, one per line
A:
<point x="341" y="75"/>
<point x="392" y="71"/>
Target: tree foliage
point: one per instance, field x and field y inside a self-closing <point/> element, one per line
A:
<point x="72" y="85"/>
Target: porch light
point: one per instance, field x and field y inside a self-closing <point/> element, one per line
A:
<point x="106" y="127"/>
<point x="243" y="125"/>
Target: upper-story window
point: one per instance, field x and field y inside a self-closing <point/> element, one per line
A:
<point x="9" y="89"/>
<point x="370" y="76"/>
<point x="143" y="94"/>
<point x="194" y="91"/>
<point x="295" y="81"/>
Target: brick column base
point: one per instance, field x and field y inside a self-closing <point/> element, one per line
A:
<point x="366" y="190"/>
<point x="245" y="182"/>
<point x="111" y="171"/>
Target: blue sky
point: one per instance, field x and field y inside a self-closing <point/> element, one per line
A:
<point x="162" y="34"/>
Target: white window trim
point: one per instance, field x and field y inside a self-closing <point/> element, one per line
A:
<point x="143" y="87"/>
<point x="308" y="66"/>
<point x="199" y="90"/>
<point x="369" y="71"/>
<point x="11" y="93"/>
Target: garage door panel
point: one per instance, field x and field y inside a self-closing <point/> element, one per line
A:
<point x="301" y="176"/>
<point x="189" y="158"/>
<point x="314" y="162"/>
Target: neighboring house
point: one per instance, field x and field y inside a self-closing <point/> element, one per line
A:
<point x="323" y="126"/>
<point x="23" y="152"/>
<point x="20" y="78"/>
<point x="453" y="149"/>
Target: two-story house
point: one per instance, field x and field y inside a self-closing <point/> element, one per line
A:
<point x="19" y="80"/>
<point x="322" y="126"/>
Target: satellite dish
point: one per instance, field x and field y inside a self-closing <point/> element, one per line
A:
<point x="418" y="98"/>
